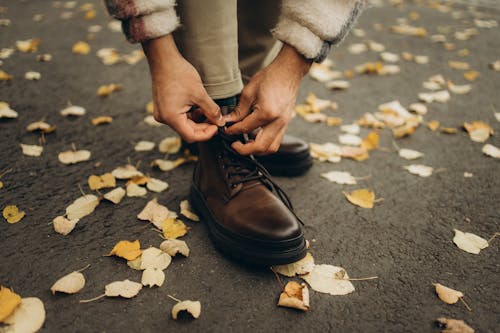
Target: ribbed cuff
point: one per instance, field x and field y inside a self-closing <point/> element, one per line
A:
<point x="142" y="28"/>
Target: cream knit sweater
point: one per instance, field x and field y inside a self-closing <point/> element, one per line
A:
<point x="311" y="26"/>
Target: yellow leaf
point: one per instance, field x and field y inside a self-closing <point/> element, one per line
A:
<point x="370" y="142"/>
<point x="173" y="228"/>
<point x="90" y="14"/>
<point x="9" y="301"/>
<point x="295" y="296"/>
<point x="81" y="48"/>
<point x="433" y="125"/>
<point x="150" y="107"/>
<point x="30" y="45"/>
<point x="471" y="75"/>
<point x="363" y="198"/>
<point x="127" y="250"/>
<point x="101" y="120"/>
<point x="104" y="181"/>
<point x="1" y="184"/>
<point x="138" y="180"/>
<point x="107" y="89"/>
<point x="333" y="121"/>
<point x="12" y="214"/>
<point x="4" y="76"/>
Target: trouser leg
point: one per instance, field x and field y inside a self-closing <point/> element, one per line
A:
<point x="208" y="39"/>
<point x="257" y="47"/>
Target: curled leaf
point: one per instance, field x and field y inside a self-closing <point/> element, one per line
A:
<point x="82" y="207"/>
<point x="69" y="284"/>
<point x="73" y="157"/>
<point x="153" y="277"/>
<point x="363" y="198"/>
<point x="303" y="266"/>
<point x="295" y="296"/>
<point x="448" y="295"/>
<point x="187" y="211"/>
<point x="116" y="195"/>
<point x="64" y="226"/>
<point x="9" y="301"/>
<point x="191" y="307"/>
<point x="12" y="214"/>
<point x="174" y="246"/>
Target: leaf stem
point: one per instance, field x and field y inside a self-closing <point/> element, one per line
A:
<point x="175" y="299"/>
<point x="92" y="299"/>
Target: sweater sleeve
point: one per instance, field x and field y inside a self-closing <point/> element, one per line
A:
<point x="313" y="26"/>
<point x="144" y="19"/>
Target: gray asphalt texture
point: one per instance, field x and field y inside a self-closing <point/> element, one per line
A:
<point x="405" y="240"/>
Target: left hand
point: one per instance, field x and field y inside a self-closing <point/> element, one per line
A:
<point x="271" y="93"/>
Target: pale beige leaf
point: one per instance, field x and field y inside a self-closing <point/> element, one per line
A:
<point x="125" y="288"/>
<point x="323" y="278"/>
<point x="339" y="177"/>
<point x="64" y="226"/>
<point x="6" y="111"/>
<point x="155" y="258"/>
<point x="82" y="207"/>
<point x="73" y="110"/>
<point x="27" y="318"/>
<point x="350" y="139"/>
<point x="469" y="242"/>
<point x="351" y="129"/>
<point x="454" y="326"/>
<point x="419" y="170"/>
<point x="150" y="120"/>
<point x="126" y="172"/>
<point x="152" y="277"/>
<point x="135" y="264"/>
<point x="491" y="150"/>
<point x="32" y="76"/>
<point x="155" y="213"/>
<point x="73" y="157"/>
<point x="69" y="284"/>
<point x="459" y="89"/>
<point x="295" y="296"/>
<point x="174" y="246"/>
<point x="338" y="85"/>
<point x="303" y="266"/>
<point x="156" y="185"/>
<point x="187" y="211"/>
<point x="447" y="295"/>
<point x="409" y="154"/>
<point x="116" y="195"/>
<point x="441" y="96"/>
<point x="144" y="146"/>
<point x="418" y="108"/>
<point x="170" y="145"/>
<point x="40" y="126"/>
<point x="134" y="190"/>
<point x="192" y="307"/>
<point x="31" y="150"/>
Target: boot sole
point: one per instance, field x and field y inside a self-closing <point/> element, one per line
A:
<point x="245" y="249"/>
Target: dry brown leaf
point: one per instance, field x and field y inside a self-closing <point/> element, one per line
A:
<point x="101" y="120"/>
<point x="127" y="250"/>
<point x="9" y="301"/>
<point x="64" y="226"/>
<point x="81" y="48"/>
<point x="69" y="284"/>
<point x="363" y="198"/>
<point x="295" y="296"/>
<point x="478" y="131"/>
<point x="31" y="150"/>
<point x="104" y="181"/>
<point x="303" y="266"/>
<point x="108" y="89"/>
<point x="28" y="46"/>
<point x="74" y="156"/>
<point x="12" y="214"/>
<point x="28" y="317"/>
<point x="173" y="228"/>
<point x="125" y="288"/>
<point x="174" y="246"/>
<point x="82" y="207"/>
<point x="116" y="195"/>
<point x="187" y="211"/>
<point x="453" y="326"/>
<point x="191" y="307"/>
<point x="447" y="295"/>
<point x="324" y="279"/>
<point x="469" y="242"/>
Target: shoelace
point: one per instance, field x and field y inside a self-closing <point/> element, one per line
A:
<point x="248" y="169"/>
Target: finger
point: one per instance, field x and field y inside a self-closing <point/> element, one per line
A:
<point x="210" y="109"/>
<point x="242" y="109"/>
<point x="247" y="125"/>
<point x="273" y="148"/>
<point x="261" y="144"/>
<point x="193" y="132"/>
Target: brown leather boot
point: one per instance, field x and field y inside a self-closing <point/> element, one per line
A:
<point x="249" y="217"/>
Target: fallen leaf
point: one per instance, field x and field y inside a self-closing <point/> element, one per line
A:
<point x="155" y="213"/>
<point x="192" y="307"/>
<point x="301" y="267"/>
<point x="187" y="211"/>
<point x="69" y="284"/>
<point x="326" y="152"/>
<point x="156" y="185"/>
<point x="125" y="288"/>
<point x="31" y="150"/>
<point x="150" y="121"/>
<point x="138" y="180"/>
<point x="478" y="131"/>
<point x="104" y="181"/>
<point x="409" y="154"/>
<point x="166" y="165"/>
<point x="73" y="110"/>
<point x="491" y="151"/>
<point x="126" y="172"/>
<point x="28" y="46"/>
<point x="458" y="65"/>
<point x="64" y="226"/>
<point x="363" y="198"/>
<point x="28" y="317"/>
<point x="323" y="278"/>
<point x="109" y="56"/>
<point x="449" y="130"/>
<point x="338" y="85"/>
<point x="101" y="120"/>
<point x="471" y="75"/>
<point x="459" y="89"/>
<point x="82" y="207"/>
<point x="6" y="111"/>
<point x="4" y="76"/>
<point x="170" y="145"/>
<point x="144" y="146"/>
<point x="295" y="296"/>
<point x="40" y="126"/>
<point x="447" y="295"/>
<point x="495" y="65"/>
<point x="453" y="326"/>
<point x="433" y="125"/>
<point x="9" y="301"/>
<point x="441" y="96"/>
<point x="469" y="242"/>
<point x="153" y="277"/>
<point x="173" y="228"/>
<point x="134" y="190"/>
<point x="419" y="170"/>
<point x="74" y="156"/>
<point x="108" y="89"/>
<point x="12" y="214"/>
<point x="81" y="48"/>
<point x="350" y="128"/>
<point x="135" y="264"/>
<point x="371" y="140"/>
<point x="155" y="258"/>
<point x="32" y="76"/>
<point x="127" y="250"/>
<point x="339" y="177"/>
<point x="174" y="246"/>
<point x="116" y="195"/>
<point x="44" y="57"/>
<point x="350" y="139"/>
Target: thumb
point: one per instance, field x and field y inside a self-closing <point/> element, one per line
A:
<point x="242" y="109"/>
<point x="210" y="109"/>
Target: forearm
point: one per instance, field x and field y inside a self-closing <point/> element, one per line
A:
<point x="160" y="52"/>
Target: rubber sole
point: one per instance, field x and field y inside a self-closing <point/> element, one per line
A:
<point x="244" y="249"/>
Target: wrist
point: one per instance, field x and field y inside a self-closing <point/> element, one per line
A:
<point x="161" y="53"/>
<point x="290" y="57"/>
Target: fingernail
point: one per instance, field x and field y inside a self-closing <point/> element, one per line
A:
<point x="221" y="121"/>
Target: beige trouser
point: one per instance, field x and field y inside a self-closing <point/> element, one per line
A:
<point x="227" y="41"/>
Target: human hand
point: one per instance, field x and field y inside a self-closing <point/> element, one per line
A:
<point x="271" y="95"/>
<point x="177" y="87"/>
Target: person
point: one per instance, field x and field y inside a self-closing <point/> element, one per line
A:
<point x="225" y="74"/>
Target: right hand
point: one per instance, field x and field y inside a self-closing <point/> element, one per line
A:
<point x="177" y="87"/>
